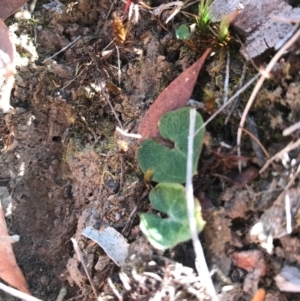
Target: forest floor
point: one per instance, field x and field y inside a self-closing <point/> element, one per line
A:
<point x="66" y="169"/>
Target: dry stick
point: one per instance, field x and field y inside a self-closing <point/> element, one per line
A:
<point x="241" y="81"/>
<point x="17" y="293"/>
<point x="80" y="257"/>
<point x="291" y="129"/>
<point x="258" y="142"/>
<point x="256" y="147"/>
<point x="258" y="86"/>
<point x="200" y="261"/>
<point x="124" y="133"/>
<point x="62" y="294"/>
<point x="114" y="289"/>
<point x="63" y="49"/>
<point x="119" y="65"/>
<point x="226" y="83"/>
<point x="227" y="103"/>
<point x="113" y="110"/>
<point x="288" y="215"/>
<point x="287" y="149"/>
<point x="285" y="39"/>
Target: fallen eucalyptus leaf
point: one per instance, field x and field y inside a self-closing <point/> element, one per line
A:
<point x="175" y="96"/>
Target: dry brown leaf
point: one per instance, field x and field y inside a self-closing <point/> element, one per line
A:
<point x="175" y="96"/>
<point x="8" y="7"/>
<point x="118" y="29"/>
<point x="7" y="66"/>
<point x="9" y="271"/>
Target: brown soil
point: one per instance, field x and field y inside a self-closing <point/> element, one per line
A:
<point x="64" y="169"/>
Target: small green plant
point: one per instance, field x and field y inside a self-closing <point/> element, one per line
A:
<point x="164" y="233"/>
<point x="203" y="19"/>
<point x="204" y="32"/>
<point x="183" y="32"/>
<point x="166" y="163"/>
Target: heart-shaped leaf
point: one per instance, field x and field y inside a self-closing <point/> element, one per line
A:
<point x="164" y="233"/>
<point x="169" y="164"/>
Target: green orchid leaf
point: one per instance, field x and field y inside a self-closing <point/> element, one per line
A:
<point x="168" y="163"/>
<point x="165" y="233"/>
<point x="183" y="32"/>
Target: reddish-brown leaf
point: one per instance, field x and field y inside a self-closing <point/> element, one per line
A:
<point x="8" y="7"/>
<point x="9" y="271"/>
<point x="175" y="96"/>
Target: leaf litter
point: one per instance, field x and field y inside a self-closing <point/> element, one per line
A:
<point x="95" y="167"/>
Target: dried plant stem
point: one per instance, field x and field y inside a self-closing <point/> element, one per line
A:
<point x="16" y="293"/>
<point x="80" y="258"/>
<point x="63" y="49"/>
<point x="287" y="149"/>
<point x="291" y="129"/>
<point x="62" y="294"/>
<point x="226" y="83"/>
<point x="258" y="142"/>
<point x="241" y="82"/>
<point x="230" y="100"/>
<point x="114" y="289"/>
<point x="258" y="86"/>
<point x="200" y="261"/>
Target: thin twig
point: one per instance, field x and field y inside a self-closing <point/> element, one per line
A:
<point x="240" y="91"/>
<point x="258" y="142"/>
<point x="119" y="65"/>
<point x="288" y="215"/>
<point x="62" y="294"/>
<point x="241" y="82"/>
<point x="113" y="110"/>
<point x="114" y="289"/>
<point x="291" y="129"/>
<point x="124" y="133"/>
<point x="258" y="86"/>
<point x="287" y="149"/>
<point x="63" y="49"/>
<point x="287" y="36"/>
<point x="226" y="83"/>
<point x="256" y="147"/>
<point x="200" y="261"/>
<point x="81" y="259"/>
<point x="17" y="293"/>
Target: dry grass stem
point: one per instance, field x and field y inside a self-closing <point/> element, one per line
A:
<point x="113" y="110"/>
<point x="81" y="259"/>
<point x="279" y="155"/>
<point x="231" y="99"/>
<point x="124" y="133"/>
<point x="288" y="215"/>
<point x="259" y="85"/>
<point x="17" y="294"/>
<point x="241" y="82"/>
<point x="114" y="289"/>
<point x="226" y="83"/>
<point x="63" y="49"/>
<point x="200" y="261"/>
<point x="258" y="142"/>
<point x="291" y="129"/>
